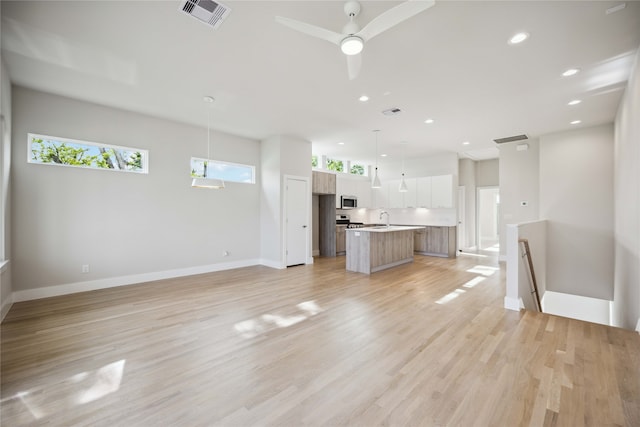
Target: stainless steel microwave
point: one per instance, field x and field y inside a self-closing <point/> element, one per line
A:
<point x="348" y="202"/>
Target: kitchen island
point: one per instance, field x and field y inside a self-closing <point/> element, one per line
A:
<point x="373" y="249"/>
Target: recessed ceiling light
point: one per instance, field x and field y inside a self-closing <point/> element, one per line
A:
<point x="428" y="121"/>
<point x="364" y="98"/>
<point x="576" y="122"/>
<point x="571" y="72"/>
<point x="575" y="102"/>
<point x="518" y="38"/>
<point x="383" y="155"/>
<point x="466" y="143"/>
<point x="340" y="143"/>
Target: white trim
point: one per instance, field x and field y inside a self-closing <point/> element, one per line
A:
<point x="502" y="258"/>
<point x="112" y="282"/>
<point x="638" y="326"/>
<point x="513" y="303"/>
<point x="310" y="260"/>
<point x="3" y="265"/>
<point x="315" y="252"/>
<point x="6" y="306"/>
<point x="273" y="264"/>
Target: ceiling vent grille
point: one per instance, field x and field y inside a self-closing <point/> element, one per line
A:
<point x="511" y="139"/>
<point x="206" y="11"/>
<point x="391" y="111"/>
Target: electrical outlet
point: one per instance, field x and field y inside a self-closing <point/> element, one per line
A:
<point x="85" y="268"/>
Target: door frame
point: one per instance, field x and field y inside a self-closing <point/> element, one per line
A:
<point x="461" y="241"/>
<point x="285" y="193"/>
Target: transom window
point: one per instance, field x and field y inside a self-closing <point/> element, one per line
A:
<point x="53" y="150"/>
<point x="226" y="171"/>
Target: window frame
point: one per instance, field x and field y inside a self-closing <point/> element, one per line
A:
<point x="226" y="163"/>
<point x="144" y="153"/>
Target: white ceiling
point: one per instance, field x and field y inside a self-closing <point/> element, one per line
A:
<point x="451" y="63"/>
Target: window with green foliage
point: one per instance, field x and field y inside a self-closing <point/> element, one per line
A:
<point x="357" y="170"/>
<point x="226" y="171"/>
<point x="52" y="150"/>
<point x="335" y="165"/>
<point x="314" y="161"/>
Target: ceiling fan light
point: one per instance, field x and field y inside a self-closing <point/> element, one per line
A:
<point x="351" y="45"/>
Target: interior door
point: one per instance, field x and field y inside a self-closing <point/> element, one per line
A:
<point x="297" y="217"/>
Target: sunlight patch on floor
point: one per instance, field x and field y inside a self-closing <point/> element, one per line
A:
<point x="253" y="327"/>
<point x="450" y="296"/>
<point x="78" y="389"/>
<point x="473" y="282"/>
<point x="485" y="270"/>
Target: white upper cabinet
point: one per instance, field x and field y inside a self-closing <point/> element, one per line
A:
<point x="442" y="191"/>
<point x="395" y="197"/>
<point x="423" y="192"/>
<point x="364" y="193"/>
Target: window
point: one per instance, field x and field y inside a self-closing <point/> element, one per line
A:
<point x="356" y="169"/>
<point x="314" y="161"/>
<point x="232" y="172"/>
<point x="53" y="150"/>
<point x="335" y="165"/>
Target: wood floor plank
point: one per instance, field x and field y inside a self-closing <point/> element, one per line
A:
<point x="426" y="343"/>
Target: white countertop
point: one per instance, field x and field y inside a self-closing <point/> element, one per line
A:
<point x="385" y="229"/>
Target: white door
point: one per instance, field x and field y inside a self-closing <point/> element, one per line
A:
<point x="297" y="217"/>
<point x="461" y="221"/>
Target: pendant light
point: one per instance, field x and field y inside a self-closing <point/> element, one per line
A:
<point x="403" y="185"/>
<point x="376" y="181"/>
<point x="211" y="183"/>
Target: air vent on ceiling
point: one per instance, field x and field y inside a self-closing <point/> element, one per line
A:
<point x="391" y="111"/>
<point x="207" y="11"/>
<point x="511" y="139"/>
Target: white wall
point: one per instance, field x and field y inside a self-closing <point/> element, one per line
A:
<point x="279" y="156"/>
<point x="576" y="198"/>
<point x="124" y="224"/>
<point x="488" y="173"/>
<point x="518" y="182"/>
<point x="6" y="287"/>
<point x="626" y="295"/>
<point x="442" y="164"/>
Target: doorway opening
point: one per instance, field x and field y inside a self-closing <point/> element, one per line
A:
<point x="488" y="202"/>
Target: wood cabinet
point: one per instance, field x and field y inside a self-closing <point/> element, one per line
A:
<point x="436" y="241"/>
<point x="341" y="239"/>
<point x="323" y="183"/>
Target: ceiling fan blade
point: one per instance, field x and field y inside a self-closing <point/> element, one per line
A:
<point x="311" y="30"/>
<point x="393" y="17"/>
<point x="354" y="63"/>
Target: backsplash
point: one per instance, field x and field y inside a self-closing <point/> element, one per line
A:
<point x="407" y="216"/>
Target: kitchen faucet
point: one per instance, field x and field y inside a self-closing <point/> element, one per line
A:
<point x="387" y="214"/>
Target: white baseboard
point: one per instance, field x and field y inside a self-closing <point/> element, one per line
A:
<point x="6" y="306"/>
<point x="310" y="260"/>
<point x="514" y="304"/>
<point x="273" y="264"/>
<point x="315" y="252"/>
<point x="112" y="282"/>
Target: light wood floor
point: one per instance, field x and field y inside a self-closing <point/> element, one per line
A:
<point x="426" y="343"/>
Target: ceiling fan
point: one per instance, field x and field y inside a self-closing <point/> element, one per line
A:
<point x="352" y="38"/>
